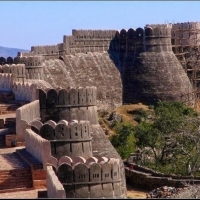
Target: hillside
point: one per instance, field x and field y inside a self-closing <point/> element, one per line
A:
<point x="12" y="52"/>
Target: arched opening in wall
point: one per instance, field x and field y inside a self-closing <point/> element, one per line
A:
<point x="2" y="61"/>
<point x="9" y="60"/>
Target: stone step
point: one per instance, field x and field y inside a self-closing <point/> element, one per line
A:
<point x="8" y="108"/>
<point x="6" y="96"/>
<point x="16" y="178"/>
<point x="29" y="159"/>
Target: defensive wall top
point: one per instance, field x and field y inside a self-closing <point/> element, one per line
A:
<point x="150" y="30"/>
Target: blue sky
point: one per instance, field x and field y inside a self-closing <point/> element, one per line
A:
<point x="31" y="23"/>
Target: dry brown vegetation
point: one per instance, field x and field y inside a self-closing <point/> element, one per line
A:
<point x="124" y="110"/>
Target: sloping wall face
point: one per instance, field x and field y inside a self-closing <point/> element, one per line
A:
<point x="155" y="73"/>
<point x="158" y="76"/>
<point x="92" y="69"/>
<point x="116" y="61"/>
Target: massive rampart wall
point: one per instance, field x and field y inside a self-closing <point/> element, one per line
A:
<point x="92" y="69"/>
<point x="89" y="178"/>
<point x="81" y="41"/>
<point x="128" y="44"/>
<point x="155" y="73"/>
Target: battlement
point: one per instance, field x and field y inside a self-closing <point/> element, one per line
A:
<point x="186" y="34"/>
<point x="67" y="138"/>
<point x="6" y="82"/>
<point x="18" y="71"/>
<point x="95" y="34"/>
<point x="71" y="97"/>
<point x="30" y="61"/>
<point x="157" y="31"/>
<point x="186" y="26"/>
<point x="8" y="60"/>
<point x="99" y="177"/>
<point x="73" y="131"/>
<point x="24" y="91"/>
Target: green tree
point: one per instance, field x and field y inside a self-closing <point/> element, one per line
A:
<point x="123" y="140"/>
<point x="173" y="138"/>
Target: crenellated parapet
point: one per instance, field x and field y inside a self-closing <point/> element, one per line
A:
<point x="76" y="97"/>
<point x="83" y="41"/>
<point x="9" y="60"/>
<point x="24" y="91"/>
<point x="30" y="61"/>
<point x="42" y="50"/>
<point x="67" y="138"/>
<point x="94" y="177"/>
<point x="68" y="104"/>
<point x="6" y="82"/>
<point x="157" y="38"/>
<point x="186" y="34"/>
<point x="93" y="34"/>
<point x="18" y="71"/>
<point x="33" y="66"/>
<point x="153" y="38"/>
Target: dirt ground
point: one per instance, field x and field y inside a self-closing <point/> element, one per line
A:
<point x="135" y="193"/>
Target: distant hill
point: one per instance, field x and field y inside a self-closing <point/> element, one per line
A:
<point x="12" y="52"/>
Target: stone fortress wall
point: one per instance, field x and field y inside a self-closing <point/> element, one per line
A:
<point x="74" y="136"/>
<point x="68" y="104"/>
<point x="78" y="105"/>
<point x="128" y="44"/>
<point x="123" y="41"/>
<point x="186" y="34"/>
<point x="68" y="141"/>
<point x="185" y="45"/>
<point x="6" y="82"/>
<point x="145" y="55"/>
<point x="56" y="189"/>
<point x="92" y="178"/>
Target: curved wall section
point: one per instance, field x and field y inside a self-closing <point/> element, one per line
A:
<point x="63" y="104"/>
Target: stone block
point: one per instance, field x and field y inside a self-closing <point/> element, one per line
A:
<point x="39" y="174"/>
<point x="10" y="140"/>
<point x="39" y="184"/>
